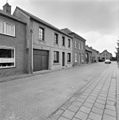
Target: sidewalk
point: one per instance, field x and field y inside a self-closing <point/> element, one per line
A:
<point x="99" y="100"/>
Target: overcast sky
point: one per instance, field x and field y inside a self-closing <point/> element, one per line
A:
<point x="95" y="20"/>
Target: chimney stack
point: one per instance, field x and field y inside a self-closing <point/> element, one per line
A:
<point x="7" y="8"/>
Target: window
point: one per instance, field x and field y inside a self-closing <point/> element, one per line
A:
<point x="56" y="38"/>
<point x="79" y="45"/>
<point x="63" y="41"/>
<point x="68" y="57"/>
<point x="76" y="57"/>
<point x="7" y="57"/>
<point x="41" y="33"/>
<point x="1" y="27"/>
<point x="7" y="28"/>
<point x="69" y="43"/>
<point x="75" y="44"/>
<point x="56" y="57"/>
<point x="82" y="46"/>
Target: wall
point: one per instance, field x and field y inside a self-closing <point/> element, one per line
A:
<point x="48" y="44"/>
<point x="19" y="43"/>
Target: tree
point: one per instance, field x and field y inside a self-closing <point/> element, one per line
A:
<point x="117" y="53"/>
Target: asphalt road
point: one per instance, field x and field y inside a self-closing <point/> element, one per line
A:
<point x="35" y="98"/>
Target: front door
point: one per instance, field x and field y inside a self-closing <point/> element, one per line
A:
<point x="63" y="59"/>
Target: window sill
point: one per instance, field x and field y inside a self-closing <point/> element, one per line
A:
<point x="7" y="35"/>
<point x="56" y="63"/>
<point x="7" y="67"/>
<point x="41" y="40"/>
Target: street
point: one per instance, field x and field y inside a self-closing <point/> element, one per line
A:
<point x="87" y="92"/>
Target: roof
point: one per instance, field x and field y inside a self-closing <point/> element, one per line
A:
<point x="105" y="51"/>
<point x="68" y="31"/>
<point x="10" y="16"/>
<point x="42" y="21"/>
<point x="88" y="48"/>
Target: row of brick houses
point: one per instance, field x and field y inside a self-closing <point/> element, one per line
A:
<point x="92" y="55"/>
<point x="29" y="44"/>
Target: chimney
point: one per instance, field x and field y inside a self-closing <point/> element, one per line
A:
<point x="7" y="8"/>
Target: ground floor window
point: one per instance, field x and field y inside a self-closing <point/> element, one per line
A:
<point x="68" y="57"/>
<point x="7" y="57"/>
<point x="56" y="57"/>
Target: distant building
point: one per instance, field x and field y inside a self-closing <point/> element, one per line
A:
<point x="92" y="55"/>
<point x="78" y="47"/>
<point x="88" y="54"/>
<point x="105" y="55"/>
<point x="12" y="43"/>
<point x="95" y="55"/>
<point x="48" y="47"/>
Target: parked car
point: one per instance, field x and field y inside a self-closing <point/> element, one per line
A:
<point x="107" y="61"/>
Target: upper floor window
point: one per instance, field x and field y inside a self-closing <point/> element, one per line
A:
<point x="82" y="46"/>
<point x="7" y="28"/>
<point x="79" y="45"/>
<point x="56" y="38"/>
<point x="7" y="57"/>
<point x="63" y="41"/>
<point x="75" y="44"/>
<point x="69" y="43"/>
<point x="41" y="33"/>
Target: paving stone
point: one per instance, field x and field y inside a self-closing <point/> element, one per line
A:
<point x="98" y="105"/>
<point x="110" y="112"/>
<point x="90" y="101"/>
<point x="110" y="107"/>
<point x="87" y="104"/>
<point x="68" y="114"/>
<point x="94" y="116"/>
<point x="109" y="102"/>
<point x="63" y="118"/>
<point x="73" y="108"/>
<point x="77" y="103"/>
<point x="85" y="109"/>
<point x="102" y="98"/>
<point x="81" y="115"/>
<point x="57" y="114"/>
<point x="108" y="117"/>
<point x="81" y="99"/>
<point x="100" y="101"/>
<point x="76" y="118"/>
<point x="66" y="105"/>
<point x="97" y="110"/>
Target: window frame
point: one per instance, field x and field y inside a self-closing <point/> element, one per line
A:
<point x="76" y="57"/>
<point x="69" y="43"/>
<point x="56" y="38"/>
<point x="63" y="41"/>
<point x="75" y="44"/>
<point x="41" y="34"/>
<point x="5" y="29"/>
<point x="12" y="48"/>
<point x="68" y="57"/>
<point x="57" y="57"/>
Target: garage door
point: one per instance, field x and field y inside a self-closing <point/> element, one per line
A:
<point x="40" y="60"/>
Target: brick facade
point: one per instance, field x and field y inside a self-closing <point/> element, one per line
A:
<point x="18" y="42"/>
